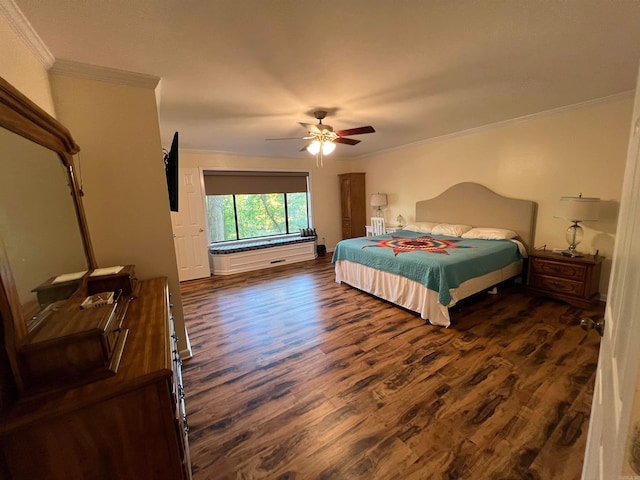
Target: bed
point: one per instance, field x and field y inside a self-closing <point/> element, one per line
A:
<point x="429" y="266"/>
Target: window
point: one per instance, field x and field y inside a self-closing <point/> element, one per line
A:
<point x="242" y="205"/>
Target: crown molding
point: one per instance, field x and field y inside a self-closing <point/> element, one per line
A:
<point x="104" y="74"/>
<point x="504" y="123"/>
<point x="21" y="26"/>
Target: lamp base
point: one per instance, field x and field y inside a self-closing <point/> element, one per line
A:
<point x="573" y="236"/>
<point x="570" y="253"/>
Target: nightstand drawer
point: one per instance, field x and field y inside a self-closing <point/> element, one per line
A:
<point x="557" y="285"/>
<point x="570" y="271"/>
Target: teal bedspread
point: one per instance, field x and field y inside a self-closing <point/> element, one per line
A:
<point x="436" y="261"/>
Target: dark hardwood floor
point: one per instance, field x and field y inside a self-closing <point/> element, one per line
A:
<point x="296" y="376"/>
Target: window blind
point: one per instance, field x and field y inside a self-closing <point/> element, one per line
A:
<point x="218" y="182"/>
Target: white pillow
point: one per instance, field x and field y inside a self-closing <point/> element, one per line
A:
<point x="490" y="234"/>
<point x="450" y="230"/>
<point x="423" y="227"/>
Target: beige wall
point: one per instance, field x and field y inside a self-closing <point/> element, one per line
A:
<point x="21" y="67"/>
<point x="541" y="159"/>
<point x="325" y="188"/>
<point x="122" y="172"/>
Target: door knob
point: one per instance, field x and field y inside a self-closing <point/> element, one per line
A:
<point x="201" y="230"/>
<point x="590" y="324"/>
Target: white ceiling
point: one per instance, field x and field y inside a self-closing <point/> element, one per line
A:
<point x="235" y="72"/>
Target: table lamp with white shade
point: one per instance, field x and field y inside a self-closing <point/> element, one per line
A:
<point x="378" y="201"/>
<point x="577" y="209"/>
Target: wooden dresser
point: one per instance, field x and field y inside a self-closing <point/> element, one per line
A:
<point x="572" y="279"/>
<point x="353" y="205"/>
<point x="131" y="425"/>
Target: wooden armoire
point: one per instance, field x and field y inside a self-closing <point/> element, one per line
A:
<point x="353" y="205"/>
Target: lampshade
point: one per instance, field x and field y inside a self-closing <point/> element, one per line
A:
<point x="379" y="200"/>
<point x="579" y="209"/>
<point x="327" y="147"/>
<point x="314" y="147"/>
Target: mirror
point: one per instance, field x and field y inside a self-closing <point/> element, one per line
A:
<point x="38" y="224"/>
<point x="43" y="231"/>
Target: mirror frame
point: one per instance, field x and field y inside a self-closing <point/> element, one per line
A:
<point x="23" y="117"/>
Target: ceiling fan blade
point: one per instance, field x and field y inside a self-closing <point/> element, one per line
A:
<point x="355" y="131"/>
<point x="304" y="149"/>
<point x="311" y="128"/>
<point x="346" y="141"/>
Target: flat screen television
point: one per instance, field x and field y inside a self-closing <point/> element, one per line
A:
<point x="171" y="170"/>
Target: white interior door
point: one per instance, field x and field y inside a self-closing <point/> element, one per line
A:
<point x="613" y="413"/>
<point x="189" y="236"/>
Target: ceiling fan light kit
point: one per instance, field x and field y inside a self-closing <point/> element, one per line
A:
<point x="313" y="148"/>
<point x="324" y="139"/>
<point x="327" y="147"/>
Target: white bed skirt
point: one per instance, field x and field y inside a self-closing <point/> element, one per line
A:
<point x="414" y="296"/>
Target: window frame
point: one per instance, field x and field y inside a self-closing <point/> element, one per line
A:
<point x="252" y="172"/>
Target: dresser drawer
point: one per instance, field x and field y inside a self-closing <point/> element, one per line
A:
<point x="557" y="285"/>
<point x="557" y="269"/>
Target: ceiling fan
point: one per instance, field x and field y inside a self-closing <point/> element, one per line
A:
<point x="324" y="138"/>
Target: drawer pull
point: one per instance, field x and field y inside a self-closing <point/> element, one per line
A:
<point x="176" y="358"/>
<point x="186" y="424"/>
<point x="557" y="285"/>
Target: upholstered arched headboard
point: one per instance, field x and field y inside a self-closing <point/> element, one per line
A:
<point x="474" y="204"/>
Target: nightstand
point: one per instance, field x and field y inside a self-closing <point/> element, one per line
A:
<point x="574" y="280"/>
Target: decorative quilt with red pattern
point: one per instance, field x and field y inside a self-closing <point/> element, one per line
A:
<point x="423" y="244"/>
<point x="456" y="260"/>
